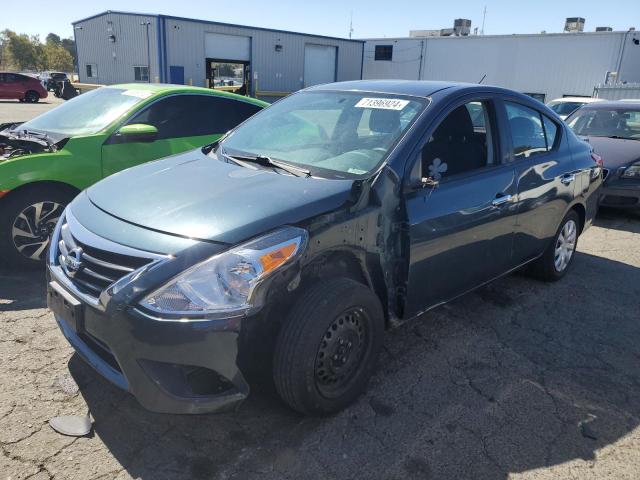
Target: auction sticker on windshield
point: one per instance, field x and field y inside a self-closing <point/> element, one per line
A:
<point x="382" y="103"/>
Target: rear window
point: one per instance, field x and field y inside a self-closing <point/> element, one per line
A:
<point x="565" y="108"/>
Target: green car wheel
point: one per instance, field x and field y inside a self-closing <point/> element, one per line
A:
<point x="27" y="220"/>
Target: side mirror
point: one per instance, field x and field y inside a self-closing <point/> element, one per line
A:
<point x="136" y="132"/>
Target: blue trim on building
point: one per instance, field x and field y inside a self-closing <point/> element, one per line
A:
<point x="210" y="22"/>
<point x="165" y="60"/>
<point x="159" y="51"/>
<point x="75" y="46"/>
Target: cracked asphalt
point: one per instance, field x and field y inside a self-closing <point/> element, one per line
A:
<point x="519" y="379"/>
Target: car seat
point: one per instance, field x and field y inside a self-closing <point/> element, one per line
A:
<point x="453" y="148"/>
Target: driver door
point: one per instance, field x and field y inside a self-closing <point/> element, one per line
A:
<point x="461" y="231"/>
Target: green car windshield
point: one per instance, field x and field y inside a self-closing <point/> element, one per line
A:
<point x="88" y="113"/>
<point x="331" y="133"/>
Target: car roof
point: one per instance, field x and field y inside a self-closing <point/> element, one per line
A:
<point x="166" y="88"/>
<point x="614" y="104"/>
<point x="576" y="99"/>
<point x="416" y="88"/>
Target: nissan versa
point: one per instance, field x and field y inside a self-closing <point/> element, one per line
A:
<point x="288" y="247"/>
<point x="47" y="161"/>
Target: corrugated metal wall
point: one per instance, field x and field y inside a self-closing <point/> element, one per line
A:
<point x="551" y="64"/>
<point x="115" y="60"/>
<point x="276" y="71"/>
<point x="618" y="92"/>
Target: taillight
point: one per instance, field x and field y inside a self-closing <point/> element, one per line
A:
<point x="597" y="158"/>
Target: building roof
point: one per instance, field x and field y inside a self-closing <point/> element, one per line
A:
<point x="512" y="35"/>
<point x="209" y="22"/>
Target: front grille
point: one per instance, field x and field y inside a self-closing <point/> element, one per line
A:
<point x="91" y="269"/>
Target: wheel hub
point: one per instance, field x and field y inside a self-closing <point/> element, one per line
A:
<point x="340" y="351"/>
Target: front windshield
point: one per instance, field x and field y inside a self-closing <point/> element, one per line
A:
<point x="333" y="134"/>
<point x="88" y="113"/>
<point x="606" y="122"/>
<point x="565" y="108"/>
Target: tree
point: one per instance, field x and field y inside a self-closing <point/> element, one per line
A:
<point x="57" y="58"/>
<point x="25" y="52"/>
<point x="52" y="38"/>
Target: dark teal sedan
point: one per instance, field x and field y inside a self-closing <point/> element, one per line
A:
<point x="287" y="248"/>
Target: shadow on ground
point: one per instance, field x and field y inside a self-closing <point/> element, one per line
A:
<point x="22" y="290"/>
<point x="516" y="376"/>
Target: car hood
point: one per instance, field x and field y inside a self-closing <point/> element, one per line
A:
<point x="615" y="152"/>
<point x="196" y="196"/>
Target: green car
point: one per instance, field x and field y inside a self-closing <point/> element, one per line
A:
<point x="45" y="162"/>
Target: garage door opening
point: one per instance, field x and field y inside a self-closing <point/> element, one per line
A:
<point x="228" y="62"/>
<point x="229" y="75"/>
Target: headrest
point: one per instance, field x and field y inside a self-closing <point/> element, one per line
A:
<point x="456" y="127"/>
<point x="384" y="121"/>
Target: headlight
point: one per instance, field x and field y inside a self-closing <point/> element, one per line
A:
<point x="225" y="283"/>
<point x="633" y="171"/>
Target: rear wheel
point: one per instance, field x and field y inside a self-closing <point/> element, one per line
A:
<point x="555" y="261"/>
<point x="27" y="220"/>
<point x="31" y="97"/>
<point x="328" y="347"/>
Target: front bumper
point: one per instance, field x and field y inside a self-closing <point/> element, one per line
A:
<point x="169" y="366"/>
<point x="621" y="194"/>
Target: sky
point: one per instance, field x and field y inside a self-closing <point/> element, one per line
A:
<point x="371" y="18"/>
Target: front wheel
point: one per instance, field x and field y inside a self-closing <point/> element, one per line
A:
<point x="328" y="347"/>
<point x="555" y="261"/>
<point x="31" y="97"/>
<point x="27" y="220"/>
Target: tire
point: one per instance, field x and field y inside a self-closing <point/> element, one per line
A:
<point x="327" y="348"/>
<point x="547" y="268"/>
<point x="24" y="239"/>
<point x="31" y="97"/>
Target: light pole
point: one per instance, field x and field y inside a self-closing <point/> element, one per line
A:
<point x="146" y="25"/>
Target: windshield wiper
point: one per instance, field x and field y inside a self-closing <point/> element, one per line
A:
<point x="271" y="162"/>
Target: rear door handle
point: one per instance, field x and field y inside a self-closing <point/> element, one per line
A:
<point x="501" y="200"/>
<point x="568" y="178"/>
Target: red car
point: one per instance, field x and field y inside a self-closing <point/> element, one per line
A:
<point x="21" y="87"/>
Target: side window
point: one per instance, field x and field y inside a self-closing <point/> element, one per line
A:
<point x="550" y="131"/>
<point x="463" y="142"/>
<point x="141" y="73"/>
<point x="527" y="132"/>
<point x="194" y="115"/>
<point x="383" y="52"/>
<point x="92" y="70"/>
<point x="11" y="78"/>
<point x="532" y="133"/>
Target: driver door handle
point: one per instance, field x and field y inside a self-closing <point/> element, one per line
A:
<point x="568" y="178"/>
<point x="501" y="200"/>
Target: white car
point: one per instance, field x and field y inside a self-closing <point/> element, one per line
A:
<point x="565" y="106"/>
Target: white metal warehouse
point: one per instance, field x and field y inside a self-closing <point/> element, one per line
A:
<point x="116" y="47"/>
<point x="546" y="66"/>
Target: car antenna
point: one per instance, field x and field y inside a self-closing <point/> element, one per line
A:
<point x="482" y="79"/>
